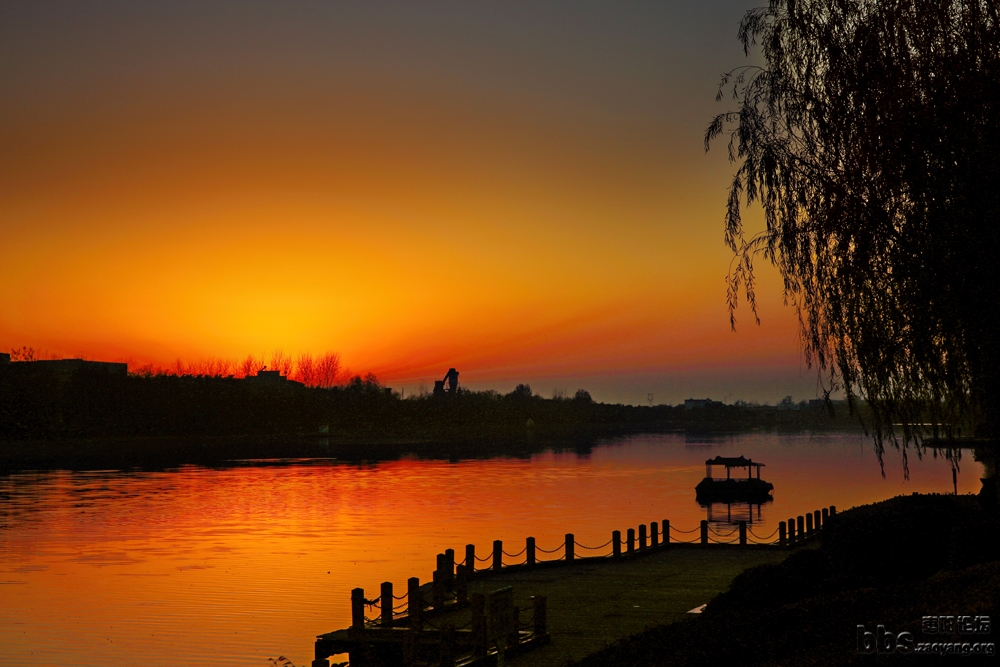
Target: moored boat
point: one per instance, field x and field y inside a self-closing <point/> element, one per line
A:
<point x="732" y="488"/>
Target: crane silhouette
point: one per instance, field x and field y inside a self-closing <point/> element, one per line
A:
<point x="451" y="378"/>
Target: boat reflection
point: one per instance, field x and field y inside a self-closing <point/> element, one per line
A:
<point x="732" y="513"/>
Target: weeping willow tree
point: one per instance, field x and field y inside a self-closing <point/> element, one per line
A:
<point x="870" y="137"/>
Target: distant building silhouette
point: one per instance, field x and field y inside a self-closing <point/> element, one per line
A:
<point x="4" y="358"/>
<point x="451" y="377"/>
<point x="699" y="403"/>
<point x="272" y="378"/>
<point x="68" y="366"/>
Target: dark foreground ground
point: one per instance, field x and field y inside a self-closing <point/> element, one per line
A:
<point x="593" y="602"/>
<point x="888" y="564"/>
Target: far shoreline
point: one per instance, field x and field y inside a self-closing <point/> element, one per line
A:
<point x="162" y="452"/>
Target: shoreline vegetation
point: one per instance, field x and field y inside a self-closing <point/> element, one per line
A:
<point x="59" y="415"/>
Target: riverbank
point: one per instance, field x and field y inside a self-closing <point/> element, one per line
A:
<point x="167" y="452"/>
<point x="889" y="564"/>
<point x="161" y="452"/>
<point x="94" y="419"/>
<point x="593" y="603"/>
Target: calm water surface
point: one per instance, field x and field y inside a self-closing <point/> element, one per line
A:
<point x="230" y="567"/>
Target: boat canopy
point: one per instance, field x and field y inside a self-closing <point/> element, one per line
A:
<point x="731" y="462"/>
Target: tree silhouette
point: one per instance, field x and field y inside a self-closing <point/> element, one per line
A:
<point x="305" y="370"/>
<point x="250" y="366"/>
<point x="25" y="353"/>
<point x="281" y="362"/>
<point x="870" y="137"/>
<point x="327" y="370"/>
<point x="521" y="391"/>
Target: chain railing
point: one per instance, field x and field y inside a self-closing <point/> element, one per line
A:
<point x="595" y="548"/>
<point x="449" y="588"/>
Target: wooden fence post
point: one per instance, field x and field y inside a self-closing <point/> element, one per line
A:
<point x="514" y="638"/>
<point x="570" y="547"/>
<point x="642" y="537"/>
<point x="704" y="532"/>
<point x="462" y="584"/>
<point x="666" y="532"/>
<point x="449" y="569"/>
<point x="817" y="520"/>
<point x="478" y="625"/>
<point x="479" y="640"/>
<point x="800" y="527"/>
<point x="470" y="557"/>
<point x="654" y="535"/>
<point x="386" y="598"/>
<point x="497" y="555"/>
<point x="616" y="543"/>
<point x="437" y="589"/>
<point x="630" y="541"/>
<point x="409" y="649"/>
<point x="743" y="533"/>
<point x="358" y="608"/>
<point x="833" y="510"/>
<point x="782" y="535"/>
<point x="529" y="549"/>
<point x="414" y="602"/>
<point x="826" y="515"/>
<point x="809" y="525"/>
<point x="448" y="646"/>
<point x="791" y="532"/>
<point x="540" y="619"/>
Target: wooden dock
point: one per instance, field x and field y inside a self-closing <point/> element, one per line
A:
<point x="545" y="611"/>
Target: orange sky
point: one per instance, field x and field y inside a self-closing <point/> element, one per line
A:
<point x="520" y="192"/>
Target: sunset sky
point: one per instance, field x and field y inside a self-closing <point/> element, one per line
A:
<point x="516" y="189"/>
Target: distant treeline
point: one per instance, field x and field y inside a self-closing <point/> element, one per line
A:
<point x="39" y="403"/>
<point x="323" y="371"/>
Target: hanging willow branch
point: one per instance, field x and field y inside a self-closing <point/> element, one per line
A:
<point x="871" y="139"/>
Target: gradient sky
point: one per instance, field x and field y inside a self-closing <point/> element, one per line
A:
<point x="515" y="189"/>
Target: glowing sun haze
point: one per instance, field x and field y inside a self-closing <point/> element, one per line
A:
<point x="515" y="189"/>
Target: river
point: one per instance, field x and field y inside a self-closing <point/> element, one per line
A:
<point x="235" y="565"/>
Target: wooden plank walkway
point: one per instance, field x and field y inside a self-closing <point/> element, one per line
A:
<point x="593" y="603"/>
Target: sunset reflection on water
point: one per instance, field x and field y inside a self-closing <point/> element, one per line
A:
<point x="205" y="566"/>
